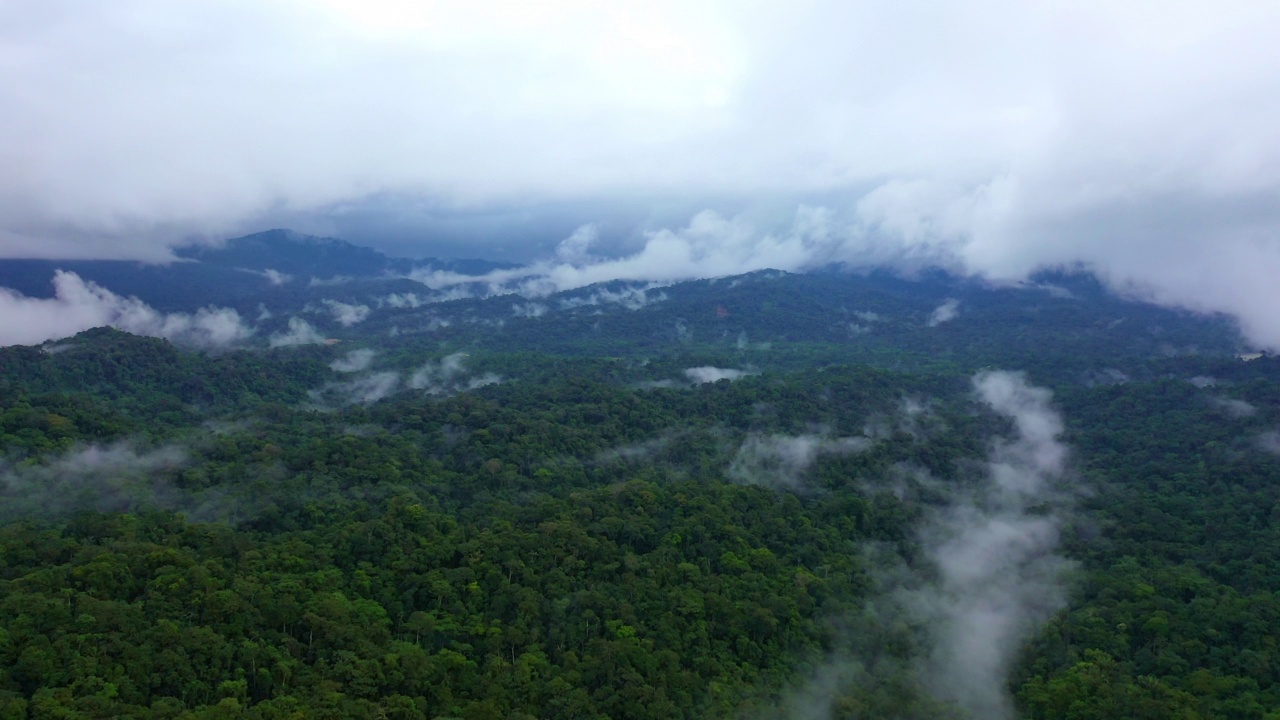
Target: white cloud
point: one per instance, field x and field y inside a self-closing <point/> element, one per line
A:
<point x="945" y="312"/>
<point x="1234" y="407"/>
<point x="709" y="374"/>
<point x="529" y="310"/>
<point x="347" y="314"/>
<point x="1000" y="573"/>
<point x="275" y="277"/>
<point x="110" y="478"/>
<point x="79" y="305"/>
<point x="354" y="361"/>
<point x="300" y="333"/>
<point x="631" y="298"/>
<point x="781" y="460"/>
<point x="1134" y="138"/>
<point x="361" y="390"/>
<point x="450" y="375"/>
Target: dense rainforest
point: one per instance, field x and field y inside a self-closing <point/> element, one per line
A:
<point x="718" y="502"/>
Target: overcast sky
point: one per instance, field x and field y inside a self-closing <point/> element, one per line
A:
<point x="1137" y="138"/>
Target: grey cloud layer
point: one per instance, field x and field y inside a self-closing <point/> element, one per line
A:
<point x="978" y="135"/>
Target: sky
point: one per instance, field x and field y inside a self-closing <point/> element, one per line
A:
<point x="1133" y="139"/>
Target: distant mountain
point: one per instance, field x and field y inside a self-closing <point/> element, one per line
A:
<point x="242" y="273"/>
<point x="311" y="256"/>
<point x="292" y="253"/>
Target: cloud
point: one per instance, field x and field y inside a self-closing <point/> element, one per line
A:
<point x="354" y="361"/>
<point x="275" y="277"/>
<point x="403" y="300"/>
<point x="1233" y="407"/>
<point x="945" y="312"/>
<point x="976" y="136"/>
<point x="79" y="305"/>
<point x="347" y="314"/>
<point x="781" y="460"/>
<point x="631" y="298"/>
<point x="360" y="391"/>
<point x="1269" y="441"/>
<point x="709" y="374"/>
<point x="113" y="478"/>
<point x="529" y="310"/>
<point x="300" y="333"/>
<point x="999" y="572"/>
<point x="448" y="376"/>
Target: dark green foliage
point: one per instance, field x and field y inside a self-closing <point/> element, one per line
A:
<point x="577" y="541"/>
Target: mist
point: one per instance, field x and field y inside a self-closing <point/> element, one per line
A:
<point x="999" y="573"/>
<point x="300" y="332"/>
<point x="78" y="305"/>
<point x="110" y="478"/>
<point x="354" y="361"/>
<point x="710" y="374"/>
<point x="781" y="461"/>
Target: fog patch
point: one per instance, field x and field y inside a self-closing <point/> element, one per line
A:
<point x="998" y="574"/>
<point x="782" y="460"/>
<point x="358" y="391"/>
<point x="275" y="277"/>
<point x="330" y="281"/>
<point x="529" y="310"/>
<point x="401" y="301"/>
<point x="635" y="452"/>
<point x="1269" y="441"/>
<point x="1234" y="408"/>
<point x="347" y="314"/>
<point x="1106" y="376"/>
<point x="300" y="333"/>
<point x="110" y="478"/>
<point x="448" y="376"/>
<point x="630" y="298"/>
<point x="710" y="374"/>
<point x="914" y="418"/>
<point x="79" y="305"/>
<point x="56" y="348"/>
<point x="946" y="312"/>
<point x="354" y="361"/>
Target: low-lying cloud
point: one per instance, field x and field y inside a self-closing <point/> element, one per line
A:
<point x="529" y="310"/>
<point x="1269" y="441"/>
<point x="79" y="305"/>
<point x="710" y="374"/>
<point x="997" y="572"/>
<point x="946" y="312"/>
<point x="358" y="391"/>
<point x="112" y="478"/>
<point x="347" y="314"/>
<point x="448" y="376"/>
<point x="354" y="361"/>
<point x="631" y="298"/>
<point x="1234" y="407"/>
<point x="300" y="332"/>
<point x="782" y="460"/>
